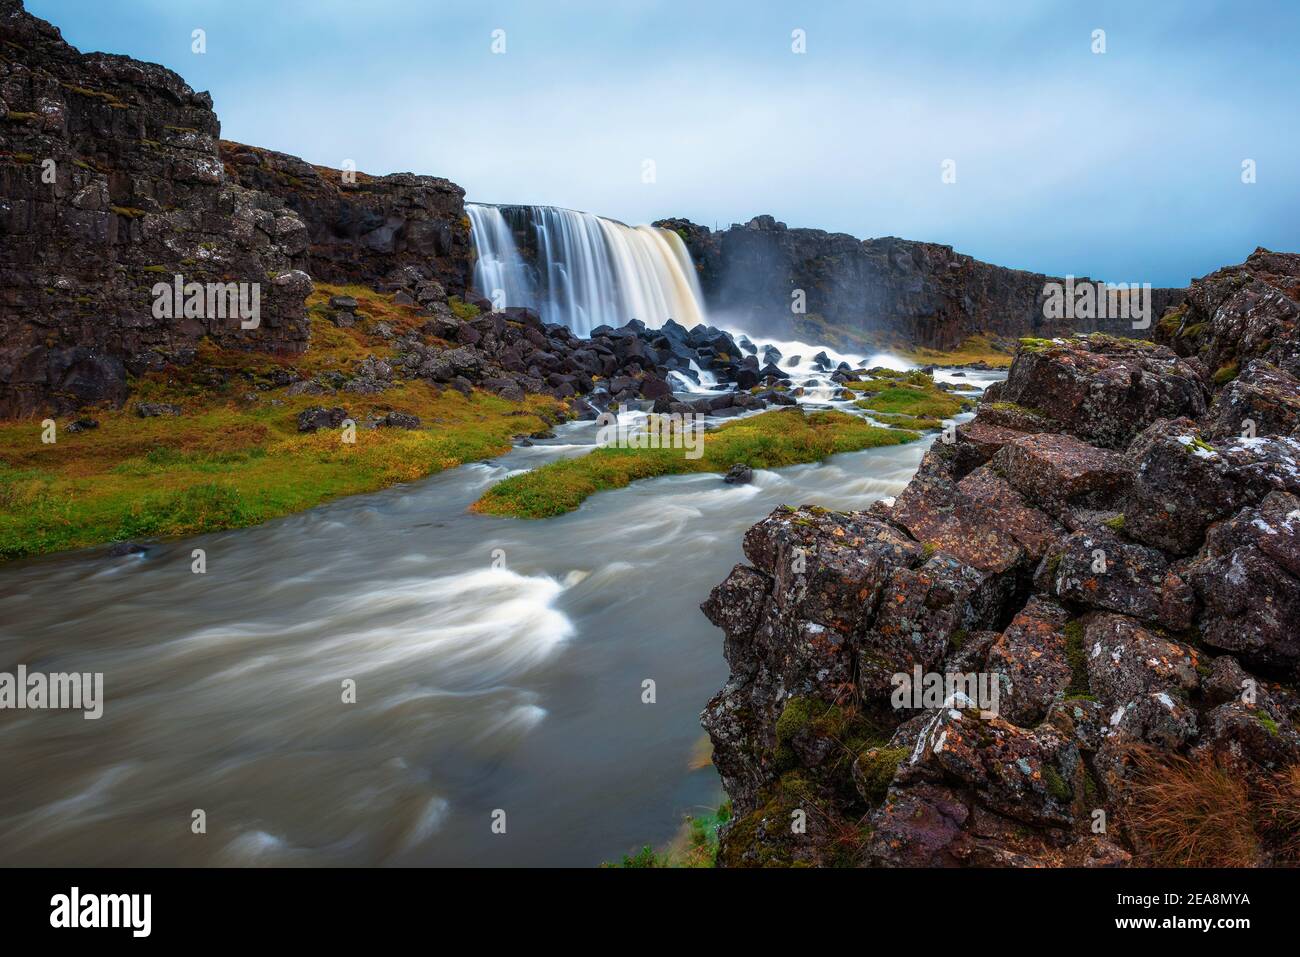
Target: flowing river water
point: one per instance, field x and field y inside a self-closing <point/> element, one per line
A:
<point x="499" y="666"/>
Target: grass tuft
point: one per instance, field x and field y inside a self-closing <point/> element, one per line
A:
<point x="1190" y="812"/>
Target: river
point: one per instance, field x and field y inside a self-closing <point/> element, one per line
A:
<point x="498" y="667"/>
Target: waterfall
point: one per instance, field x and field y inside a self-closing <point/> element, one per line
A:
<point x="582" y="270"/>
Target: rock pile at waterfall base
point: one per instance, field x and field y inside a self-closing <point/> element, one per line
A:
<point x="514" y="353"/>
<point x="1112" y="545"/>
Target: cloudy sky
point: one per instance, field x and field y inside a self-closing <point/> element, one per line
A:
<point x="1125" y="165"/>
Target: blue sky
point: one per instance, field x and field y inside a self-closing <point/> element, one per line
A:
<point x="1125" y="166"/>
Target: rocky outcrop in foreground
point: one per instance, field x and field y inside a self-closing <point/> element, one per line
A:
<point x="1108" y="556"/>
<point x="894" y="289"/>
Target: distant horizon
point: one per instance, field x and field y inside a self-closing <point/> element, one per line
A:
<point x="1124" y="166"/>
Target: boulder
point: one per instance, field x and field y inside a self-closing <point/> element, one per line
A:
<point x="1239" y="313"/>
<point x="401" y="420"/>
<point x="1182" y="483"/>
<point x="922" y="610"/>
<point x="934" y="510"/>
<point x="739" y="474"/>
<point x="1031" y="662"/>
<point x="1262" y="400"/>
<point x="152" y="410"/>
<point x="318" y="417"/>
<point x="1095" y="568"/>
<point x="1055" y="472"/>
<point x="1250" y="605"/>
<point x="1104" y="390"/>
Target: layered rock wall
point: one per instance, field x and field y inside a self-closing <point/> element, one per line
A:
<point x="111" y="181"/>
<point x="365" y="229"/>
<point x="893" y="289"/>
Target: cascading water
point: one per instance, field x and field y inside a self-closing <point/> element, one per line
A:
<point x="583" y="270"/>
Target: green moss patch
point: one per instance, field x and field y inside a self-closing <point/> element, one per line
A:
<point x="1076" y="653"/>
<point x="461" y="309"/>
<point x="1225" y="373"/>
<point x="694" y="846"/>
<point x="913" y="394"/>
<point x="876" y="770"/>
<point x="1056" y="785"/>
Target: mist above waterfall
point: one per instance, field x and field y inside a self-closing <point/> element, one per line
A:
<point x="582" y="270"/>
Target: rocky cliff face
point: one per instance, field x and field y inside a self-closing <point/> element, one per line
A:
<point x="921" y="293"/>
<point x="110" y="181"/>
<point x="1111" y="546"/>
<point x="365" y="229"/>
<point x="113" y="179"/>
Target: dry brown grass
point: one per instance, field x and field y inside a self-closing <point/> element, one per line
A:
<point x="1190" y="812"/>
<point x="1280" y="814"/>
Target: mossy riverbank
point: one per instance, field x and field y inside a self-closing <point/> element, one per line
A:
<point x="234" y="456"/>
<point x="768" y="440"/>
<point x="694" y="846"/>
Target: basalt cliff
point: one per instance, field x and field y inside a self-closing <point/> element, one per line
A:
<point x="113" y="177"/>
<point x="886" y="289"/>
<point x="1101" y="572"/>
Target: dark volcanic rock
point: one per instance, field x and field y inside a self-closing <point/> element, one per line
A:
<point x="151" y="410"/>
<point x="1104" y="390"/>
<point x="1096" y="569"/>
<point x="370" y="229"/>
<point x="123" y="549"/>
<point x="319" y="417"/>
<point x="739" y="474"/>
<point x="1031" y="660"/>
<point x="896" y="288"/>
<point x="1057" y="471"/>
<point x="1263" y="400"/>
<point x="401" y="420"/>
<point x="1182" y="483"/>
<point x="1240" y="313"/>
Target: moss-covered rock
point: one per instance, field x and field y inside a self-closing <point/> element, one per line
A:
<point x="874" y="770"/>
